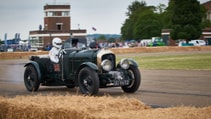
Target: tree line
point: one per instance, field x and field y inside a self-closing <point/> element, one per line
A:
<point x="184" y="18"/>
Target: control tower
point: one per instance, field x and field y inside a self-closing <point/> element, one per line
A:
<point x="57" y="23"/>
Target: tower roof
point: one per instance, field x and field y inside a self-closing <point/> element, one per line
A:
<point x="47" y="6"/>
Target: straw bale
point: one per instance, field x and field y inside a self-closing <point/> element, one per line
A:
<point x="88" y="107"/>
<point x="25" y="55"/>
<point x="160" y="49"/>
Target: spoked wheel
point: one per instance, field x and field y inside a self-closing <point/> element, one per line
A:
<point x="135" y="77"/>
<point x="31" y="78"/>
<point x="88" y="81"/>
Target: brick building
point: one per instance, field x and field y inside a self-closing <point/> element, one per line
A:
<point x="57" y="23"/>
<point x="207" y="5"/>
<point x="206" y="33"/>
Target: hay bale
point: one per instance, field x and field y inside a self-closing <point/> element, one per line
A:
<point x="25" y="55"/>
<point x="56" y="107"/>
<point x="80" y="107"/>
<point x="160" y="49"/>
<point x="20" y="55"/>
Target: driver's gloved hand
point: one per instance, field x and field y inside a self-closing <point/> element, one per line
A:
<point x="61" y="52"/>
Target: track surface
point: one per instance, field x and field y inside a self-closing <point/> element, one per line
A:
<point x="159" y="88"/>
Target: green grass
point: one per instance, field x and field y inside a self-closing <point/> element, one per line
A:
<point x="182" y="62"/>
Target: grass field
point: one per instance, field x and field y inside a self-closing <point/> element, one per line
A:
<point x="197" y="61"/>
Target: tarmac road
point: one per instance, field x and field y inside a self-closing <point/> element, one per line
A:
<point x="159" y="88"/>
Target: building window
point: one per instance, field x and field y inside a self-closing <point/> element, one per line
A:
<point x="36" y="42"/>
<point x="65" y="13"/>
<point x="59" y="26"/>
<point x="51" y="13"/>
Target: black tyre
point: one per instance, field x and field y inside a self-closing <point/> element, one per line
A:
<point x="135" y="76"/>
<point x="88" y="81"/>
<point x="31" y="78"/>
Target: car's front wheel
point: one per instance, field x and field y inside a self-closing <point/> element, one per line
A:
<point x="88" y="81"/>
<point x="31" y="78"/>
<point x="135" y="82"/>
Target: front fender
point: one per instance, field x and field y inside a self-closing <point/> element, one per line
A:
<point x="90" y="65"/>
<point x="86" y="64"/>
<point x="131" y="61"/>
<point x="36" y="66"/>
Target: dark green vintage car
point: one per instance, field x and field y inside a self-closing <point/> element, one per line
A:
<point x="88" y="69"/>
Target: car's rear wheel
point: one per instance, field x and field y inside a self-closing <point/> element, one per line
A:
<point x="88" y="81"/>
<point x="31" y="78"/>
<point x="135" y="77"/>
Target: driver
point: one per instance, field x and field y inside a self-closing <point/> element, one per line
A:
<point x="54" y="52"/>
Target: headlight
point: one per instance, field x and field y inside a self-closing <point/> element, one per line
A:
<point x="124" y="63"/>
<point x="106" y="65"/>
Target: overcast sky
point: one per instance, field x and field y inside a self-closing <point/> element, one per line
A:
<point x="107" y="16"/>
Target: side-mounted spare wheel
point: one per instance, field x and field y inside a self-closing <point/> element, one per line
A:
<point x="31" y="78"/>
<point x="88" y="81"/>
<point x="135" y="76"/>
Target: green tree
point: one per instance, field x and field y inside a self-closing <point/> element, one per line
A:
<point x="101" y="37"/>
<point x="147" y="25"/>
<point x="166" y="16"/>
<point x="186" y="19"/>
<point x="142" y="21"/>
<point x="111" y="40"/>
<point x="127" y="29"/>
<point x="135" y="6"/>
<point x="161" y="8"/>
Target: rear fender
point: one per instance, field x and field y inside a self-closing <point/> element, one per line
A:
<point x="36" y="66"/>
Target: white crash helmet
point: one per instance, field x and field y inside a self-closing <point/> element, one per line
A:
<point x="57" y="42"/>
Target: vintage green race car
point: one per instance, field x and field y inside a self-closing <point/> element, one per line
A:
<point x="88" y="69"/>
